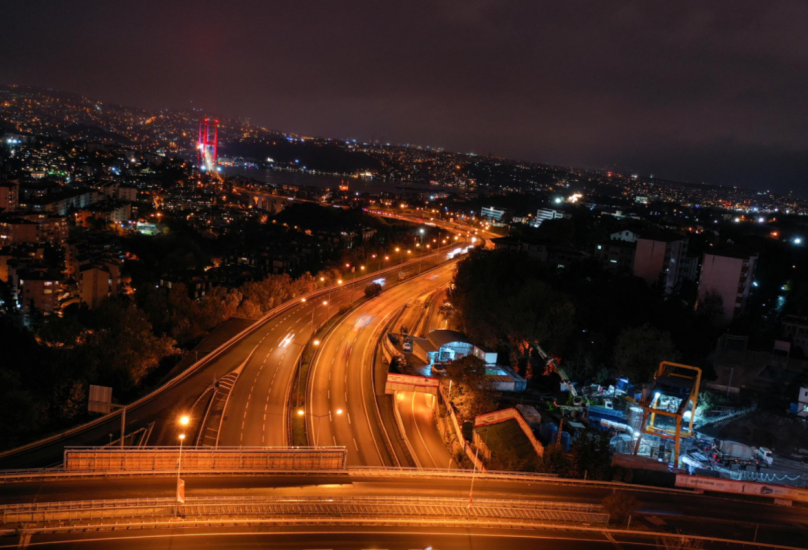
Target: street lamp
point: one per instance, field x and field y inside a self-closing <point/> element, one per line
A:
<point x="301" y="412"/>
<point x="180" y="483"/>
<point x="313" y="308"/>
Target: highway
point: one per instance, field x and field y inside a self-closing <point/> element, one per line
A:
<point x="417" y="410"/>
<point x="335" y="538"/>
<point x="342" y="371"/>
<point x="663" y="509"/>
<point x="418" y="417"/>
<point x="256" y="411"/>
<point x="267" y="371"/>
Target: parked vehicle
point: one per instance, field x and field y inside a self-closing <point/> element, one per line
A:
<point x="732" y="452"/>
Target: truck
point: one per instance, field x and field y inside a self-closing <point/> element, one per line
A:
<point x="732" y="452"/>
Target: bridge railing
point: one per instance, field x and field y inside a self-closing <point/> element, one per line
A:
<point x="203" y="458"/>
<point x="346" y="509"/>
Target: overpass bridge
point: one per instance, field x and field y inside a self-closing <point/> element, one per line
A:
<point x="49" y="505"/>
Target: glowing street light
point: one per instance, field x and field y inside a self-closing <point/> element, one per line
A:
<point x="301" y="412"/>
<point x="180" y="483"/>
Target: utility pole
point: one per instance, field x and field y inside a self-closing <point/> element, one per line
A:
<point x="474" y="471"/>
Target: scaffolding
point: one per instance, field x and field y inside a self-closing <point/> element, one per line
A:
<point x="670" y="402"/>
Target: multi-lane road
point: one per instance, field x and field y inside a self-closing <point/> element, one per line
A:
<point x="341" y="403"/>
<point x="256" y="410"/>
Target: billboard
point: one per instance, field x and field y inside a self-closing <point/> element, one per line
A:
<point x="405" y="382"/>
<point x="741" y="487"/>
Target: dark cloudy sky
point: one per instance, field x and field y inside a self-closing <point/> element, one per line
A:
<point x="713" y="91"/>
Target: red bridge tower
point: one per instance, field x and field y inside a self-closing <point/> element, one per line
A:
<point x="208" y="143"/>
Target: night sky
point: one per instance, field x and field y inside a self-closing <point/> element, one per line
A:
<point x="698" y="91"/>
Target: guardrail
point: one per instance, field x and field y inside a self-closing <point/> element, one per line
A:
<point x="43" y="474"/>
<point x="207" y="359"/>
<point x="342" y="509"/>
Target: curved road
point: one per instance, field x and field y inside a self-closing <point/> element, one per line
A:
<point x="342" y="371"/>
<point x="262" y="388"/>
<point x="418" y="416"/>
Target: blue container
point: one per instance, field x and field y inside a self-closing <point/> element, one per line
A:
<point x="547" y="430"/>
<point x="565" y="440"/>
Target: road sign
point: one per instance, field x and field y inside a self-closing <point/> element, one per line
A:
<point x="100" y="399"/>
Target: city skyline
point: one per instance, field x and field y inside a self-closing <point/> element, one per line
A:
<point x="664" y="91"/>
<point x="417" y="275"/>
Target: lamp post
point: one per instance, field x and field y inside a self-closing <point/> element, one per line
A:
<point x="301" y="412"/>
<point x="313" y="308"/>
<point x="183" y="421"/>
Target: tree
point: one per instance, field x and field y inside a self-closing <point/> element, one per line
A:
<point x="373" y="289"/>
<point x="711" y="309"/>
<point x="679" y="543"/>
<point x="471" y="387"/>
<point x="620" y="506"/>
<point x="123" y="344"/>
<point x="639" y="351"/>
<point x="502" y="299"/>
<point x="590" y="457"/>
<point x="22" y="413"/>
<point x="554" y="460"/>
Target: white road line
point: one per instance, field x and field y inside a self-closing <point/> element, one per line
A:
<point x="355" y="445"/>
<point x="349" y="417"/>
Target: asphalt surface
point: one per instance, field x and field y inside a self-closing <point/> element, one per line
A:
<point x="267" y="371"/>
<point x="665" y="503"/>
<point x="341" y="406"/>
<point x="334" y="538"/>
<point x="706" y="515"/>
<point x="256" y="411"/>
<point x="418" y="416"/>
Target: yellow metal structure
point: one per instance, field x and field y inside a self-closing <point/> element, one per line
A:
<point x="671" y="373"/>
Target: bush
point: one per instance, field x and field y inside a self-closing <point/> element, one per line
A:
<point x="373" y="289"/>
<point x="620" y="506"/>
